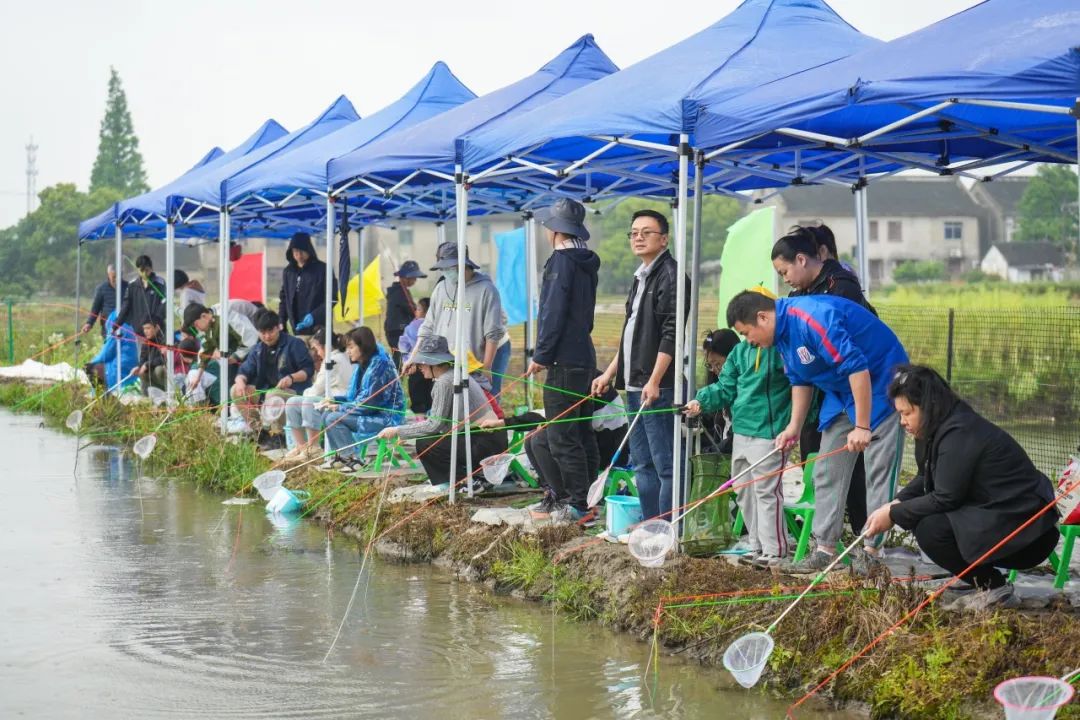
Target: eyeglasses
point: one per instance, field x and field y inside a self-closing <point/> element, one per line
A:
<point x="643" y="234"/>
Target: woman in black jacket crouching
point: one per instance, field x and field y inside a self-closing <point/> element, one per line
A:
<point x="975" y="486"/>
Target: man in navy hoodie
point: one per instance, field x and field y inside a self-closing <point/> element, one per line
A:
<point x="303" y="287"/>
<point x="843" y="349"/>
<point x="564" y="348"/>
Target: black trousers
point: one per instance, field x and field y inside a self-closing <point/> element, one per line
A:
<point x="937" y="539"/>
<point x="571" y="440"/>
<point x="420" y="393"/>
<point x="810" y="441"/>
<point x="435" y="454"/>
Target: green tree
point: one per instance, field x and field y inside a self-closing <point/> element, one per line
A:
<point x="119" y="164"/>
<point x="616" y="275"/>
<point x="919" y="271"/>
<point x="1047" y="210"/>
<point x="38" y="254"/>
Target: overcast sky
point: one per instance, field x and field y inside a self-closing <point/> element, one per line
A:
<point x="201" y="73"/>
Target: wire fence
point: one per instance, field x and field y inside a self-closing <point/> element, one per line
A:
<point x="1019" y="367"/>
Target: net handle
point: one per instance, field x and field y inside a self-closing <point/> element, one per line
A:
<point x="820" y="576"/>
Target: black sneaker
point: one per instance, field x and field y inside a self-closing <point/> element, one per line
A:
<point x="545" y="508"/>
<point x="815" y="562"/>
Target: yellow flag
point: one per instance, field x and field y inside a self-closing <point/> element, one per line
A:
<point x="373" y="295"/>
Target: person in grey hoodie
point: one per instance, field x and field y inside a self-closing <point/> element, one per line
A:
<point x="484" y="326"/>
<point x="564" y="348"/>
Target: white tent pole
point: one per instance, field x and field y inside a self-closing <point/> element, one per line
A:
<point x="119" y="262"/>
<point x="531" y="297"/>
<point x="459" y="303"/>
<point x="360" y="271"/>
<point x="695" y="274"/>
<point x="1078" y="185"/>
<point x="329" y="293"/>
<point x="680" y="323"/>
<point x="78" y="297"/>
<point x="864" y="251"/>
<point x="170" y="306"/>
<point x="223" y="329"/>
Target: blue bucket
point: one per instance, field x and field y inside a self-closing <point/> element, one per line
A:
<point x="621" y="512"/>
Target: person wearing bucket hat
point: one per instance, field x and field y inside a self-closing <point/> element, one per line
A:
<point x="400" y="307"/>
<point x="753" y="386"/>
<point x="434" y="359"/>
<point x="564" y="349"/>
<point x="303" y="287"/>
<point x="484" y="325"/>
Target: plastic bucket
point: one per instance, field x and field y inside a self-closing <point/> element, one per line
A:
<point x="1033" y="698"/>
<point x="287" y="501"/>
<point x="621" y="511"/>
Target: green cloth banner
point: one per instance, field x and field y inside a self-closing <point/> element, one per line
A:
<point x="745" y="261"/>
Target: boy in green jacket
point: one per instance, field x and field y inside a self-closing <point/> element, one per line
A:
<point x="753" y="386"/>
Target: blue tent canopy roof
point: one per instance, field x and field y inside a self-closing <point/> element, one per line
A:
<point x="1010" y="50"/>
<point x="305" y="167"/>
<point x="759" y="41"/>
<point x="209" y="187"/>
<point x="431" y="144"/>
<point x="151" y="207"/>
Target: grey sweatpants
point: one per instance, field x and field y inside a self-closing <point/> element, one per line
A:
<point x="762" y="502"/>
<point x="832" y="476"/>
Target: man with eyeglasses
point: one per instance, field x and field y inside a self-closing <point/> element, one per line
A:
<point x="645" y="364"/>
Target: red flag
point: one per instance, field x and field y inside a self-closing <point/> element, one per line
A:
<point x="247" y="278"/>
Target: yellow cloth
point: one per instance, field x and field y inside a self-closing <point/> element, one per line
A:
<point x="373" y="295"/>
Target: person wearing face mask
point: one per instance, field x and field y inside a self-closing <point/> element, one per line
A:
<point x="400" y="307"/>
<point x="484" y="326"/>
<point x="303" y="287"/>
<point x="145" y="299"/>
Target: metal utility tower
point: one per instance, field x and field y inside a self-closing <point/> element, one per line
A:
<point x="31" y="175"/>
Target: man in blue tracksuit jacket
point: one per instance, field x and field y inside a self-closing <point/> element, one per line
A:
<point x="843" y="349"/>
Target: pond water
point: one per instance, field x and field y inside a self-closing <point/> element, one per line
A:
<point x="128" y="596"/>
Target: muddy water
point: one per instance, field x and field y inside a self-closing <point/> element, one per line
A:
<point x="126" y="596"/>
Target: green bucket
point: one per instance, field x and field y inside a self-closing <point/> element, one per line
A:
<point x="707" y="528"/>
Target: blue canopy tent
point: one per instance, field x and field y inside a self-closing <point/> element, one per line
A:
<point x="200" y="198"/>
<point x="632" y="132"/>
<point x="425" y="161"/>
<point x="292" y="188"/>
<point x="147" y="212"/>
<point x="295" y="184"/>
<point x="997" y="83"/>
<point x="103" y="224"/>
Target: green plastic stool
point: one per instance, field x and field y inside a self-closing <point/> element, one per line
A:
<point x="392" y="451"/>
<point x="1060" y="565"/>
<point x="619" y="478"/>
<point x="802" y="509"/>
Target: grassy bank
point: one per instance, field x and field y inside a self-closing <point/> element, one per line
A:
<point x="938" y="666"/>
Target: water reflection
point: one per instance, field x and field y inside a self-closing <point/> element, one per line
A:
<point x="179" y="606"/>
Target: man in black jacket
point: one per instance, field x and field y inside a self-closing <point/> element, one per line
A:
<point x="145" y="299"/>
<point x="645" y="363"/>
<point x="564" y="348"/>
<point x="400" y="307"/>
<point x="303" y="287"/>
<point x="104" y="300"/>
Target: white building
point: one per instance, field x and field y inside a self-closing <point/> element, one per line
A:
<point x="912" y="218"/>
<point x="1025" y="262"/>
